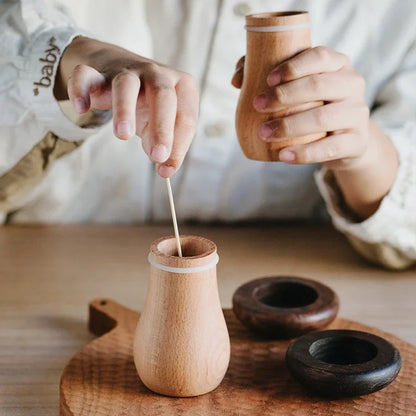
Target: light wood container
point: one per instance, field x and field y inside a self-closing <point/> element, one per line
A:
<point x="271" y="39"/>
<point x="181" y="345"/>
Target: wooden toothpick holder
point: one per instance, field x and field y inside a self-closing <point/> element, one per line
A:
<point x="181" y="346"/>
<point x="271" y="39"/>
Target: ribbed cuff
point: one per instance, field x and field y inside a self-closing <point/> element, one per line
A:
<point x="38" y="80"/>
<point x="394" y="222"/>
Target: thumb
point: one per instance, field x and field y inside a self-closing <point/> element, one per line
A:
<point x="86" y="88"/>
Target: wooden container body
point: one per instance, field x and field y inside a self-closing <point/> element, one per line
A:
<point x="181" y="346"/>
<point x="265" y="50"/>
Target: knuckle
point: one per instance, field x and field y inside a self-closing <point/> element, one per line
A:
<point x="151" y="68"/>
<point x="283" y="127"/>
<point x="154" y="73"/>
<point x="125" y="76"/>
<point x="162" y="133"/>
<point x="280" y="95"/>
<point x="303" y="155"/>
<point x="332" y="151"/>
<point x="316" y="83"/>
<point x="186" y="121"/>
<point x="80" y="69"/>
<point x="319" y="115"/>
<point x="162" y="87"/>
<point x="189" y="81"/>
<point x="289" y="70"/>
<point x="323" y="53"/>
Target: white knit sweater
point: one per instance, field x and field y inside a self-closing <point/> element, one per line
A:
<point x="106" y="180"/>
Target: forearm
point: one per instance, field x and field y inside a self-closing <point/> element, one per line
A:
<point x="365" y="185"/>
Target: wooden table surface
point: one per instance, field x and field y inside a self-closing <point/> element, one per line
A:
<point x="48" y="275"/>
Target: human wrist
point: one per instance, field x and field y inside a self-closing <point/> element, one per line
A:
<point x="356" y="187"/>
<point x="365" y="183"/>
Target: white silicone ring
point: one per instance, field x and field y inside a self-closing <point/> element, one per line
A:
<point x="276" y="28"/>
<point x="183" y="269"/>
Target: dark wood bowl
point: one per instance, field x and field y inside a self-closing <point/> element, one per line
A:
<point x="284" y="307"/>
<point x="343" y="363"/>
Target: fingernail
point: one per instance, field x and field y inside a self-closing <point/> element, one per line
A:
<point x="166" y="171"/>
<point x="159" y="153"/>
<point x="80" y="105"/>
<point x="260" y="102"/>
<point x="273" y="79"/>
<point x="287" y="156"/>
<point x="124" y="130"/>
<point x="265" y="131"/>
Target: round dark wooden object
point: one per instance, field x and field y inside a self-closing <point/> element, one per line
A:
<point x="284" y="306"/>
<point x="343" y="363"/>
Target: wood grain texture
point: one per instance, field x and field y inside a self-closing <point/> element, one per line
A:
<point x="48" y="274"/>
<point x="265" y="50"/>
<point x="101" y="379"/>
<point x="181" y="346"/>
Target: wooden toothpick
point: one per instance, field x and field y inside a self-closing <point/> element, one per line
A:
<point x="175" y="222"/>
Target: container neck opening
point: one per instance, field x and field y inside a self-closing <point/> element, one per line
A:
<point x="192" y="247"/>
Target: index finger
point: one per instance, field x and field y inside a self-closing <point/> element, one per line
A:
<point x="312" y="61"/>
<point x="186" y="123"/>
<point x="161" y="97"/>
<point x="125" y="90"/>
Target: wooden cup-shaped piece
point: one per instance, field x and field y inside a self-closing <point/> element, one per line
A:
<point x="181" y="346"/>
<point x="343" y="363"/>
<point x="284" y="306"/>
<point x="271" y="39"/>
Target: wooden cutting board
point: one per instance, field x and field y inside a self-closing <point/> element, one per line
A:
<point x="101" y="378"/>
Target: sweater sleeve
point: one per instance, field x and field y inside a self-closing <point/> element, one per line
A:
<point x="33" y="36"/>
<point x="388" y="237"/>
